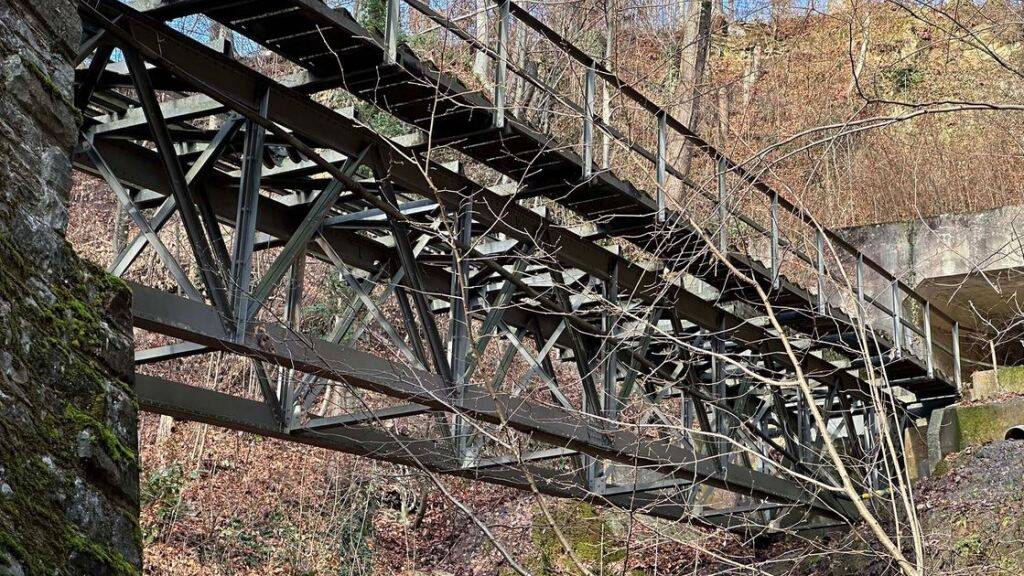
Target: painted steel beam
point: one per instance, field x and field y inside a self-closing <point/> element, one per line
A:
<point x="327" y="424"/>
<point x="218" y="409"/>
<point x="176" y="177"/>
<point x="167" y="314"/>
<point x="140" y="168"/>
<point x="169" y="352"/>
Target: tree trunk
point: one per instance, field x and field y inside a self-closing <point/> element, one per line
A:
<point x="481" y="63"/>
<point x="606" y="92"/>
<point x="696" y="43"/>
<point x="750" y="76"/>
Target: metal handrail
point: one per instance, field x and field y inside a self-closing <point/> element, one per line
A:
<point x="665" y="120"/>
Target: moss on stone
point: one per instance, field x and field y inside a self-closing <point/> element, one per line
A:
<point x="1011" y="379"/>
<point x="117" y="451"/>
<point x="112" y="559"/>
<point x="59" y="343"/>
<point x="588" y="533"/>
<point x="51" y="87"/>
<point x="988" y="422"/>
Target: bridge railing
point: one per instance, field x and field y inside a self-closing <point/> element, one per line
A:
<point x="915" y="327"/>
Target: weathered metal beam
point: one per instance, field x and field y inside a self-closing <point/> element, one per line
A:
<point x="169" y="352"/>
<point x="84" y="90"/>
<point x="195" y="176"/>
<point x="304" y="232"/>
<point x="176" y="177"/>
<point x="245" y="220"/>
<point x="173" y="316"/>
<point x="325" y="425"/>
<point x="232" y="412"/>
<point x="142" y="223"/>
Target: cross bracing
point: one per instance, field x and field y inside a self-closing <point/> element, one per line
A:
<point x="679" y="390"/>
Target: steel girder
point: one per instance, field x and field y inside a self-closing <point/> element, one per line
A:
<point x="167" y="314"/>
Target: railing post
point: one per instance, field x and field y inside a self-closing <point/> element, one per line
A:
<point x="928" y="338"/>
<point x="775" y="240"/>
<point x="662" y="145"/>
<point x="501" y="66"/>
<point x="956" y="356"/>
<point x="589" y="87"/>
<point x="723" y="211"/>
<point x="820" y="238"/>
<point x="897" y="319"/>
<point x="859" y="276"/>
<point x="391" y="25"/>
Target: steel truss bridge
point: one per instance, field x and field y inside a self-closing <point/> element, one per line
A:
<point x="684" y="350"/>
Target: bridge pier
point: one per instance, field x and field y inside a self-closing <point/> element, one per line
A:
<point x="69" y="488"/>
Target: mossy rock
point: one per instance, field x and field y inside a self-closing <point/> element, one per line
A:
<point x="988" y="422"/>
<point x="589" y="533"/>
<point x="66" y="343"/>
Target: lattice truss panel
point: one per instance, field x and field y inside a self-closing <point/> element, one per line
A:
<point x="504" y="307"/>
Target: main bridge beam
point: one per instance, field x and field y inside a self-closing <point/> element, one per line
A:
<point x="170" y="315"/>
<point x="185" y="402"/>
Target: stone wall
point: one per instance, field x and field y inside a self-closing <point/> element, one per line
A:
<point x="69" y="494"/>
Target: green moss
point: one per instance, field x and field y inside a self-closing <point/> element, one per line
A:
<point x="37" y="539"/>
<point x="103" y="434"/>
<point x="62" y="337"/>
<point x="588" y="534"/>
<point x="1011" y="379"/>
<point x="111" y="558"/>
<point x="988" y="422"/>
<point x="51" y="87"/>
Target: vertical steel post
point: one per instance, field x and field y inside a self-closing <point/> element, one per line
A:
<point x="392" y="25"/>
<point x="611" y="359"/>
<point x="775" y="240"/>
<point x="721" y="389"/>
<point x="928" y="338"/>
<point x="723" y="209"/>
<point x="802" y="426"/>
<point x="292" y="309"/>
<point x="870" y="423"/>
<point x="956" y="355"/>
<point x="460" y="315"/>
<point x="686" y="411"/>
<point x="245" y="219"/>
<point x="500" y="68"/>
<point x="859" y="278"/>
<point x="590" y="82"/>
<point x="660" y="173"/>
<point x="822" y="303"/>
<point x="897" y="319"/>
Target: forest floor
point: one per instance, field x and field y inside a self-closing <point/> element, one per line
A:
<point x="970" y="517"/>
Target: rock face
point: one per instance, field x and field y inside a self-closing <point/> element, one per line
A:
<point x="69" y="494"/>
